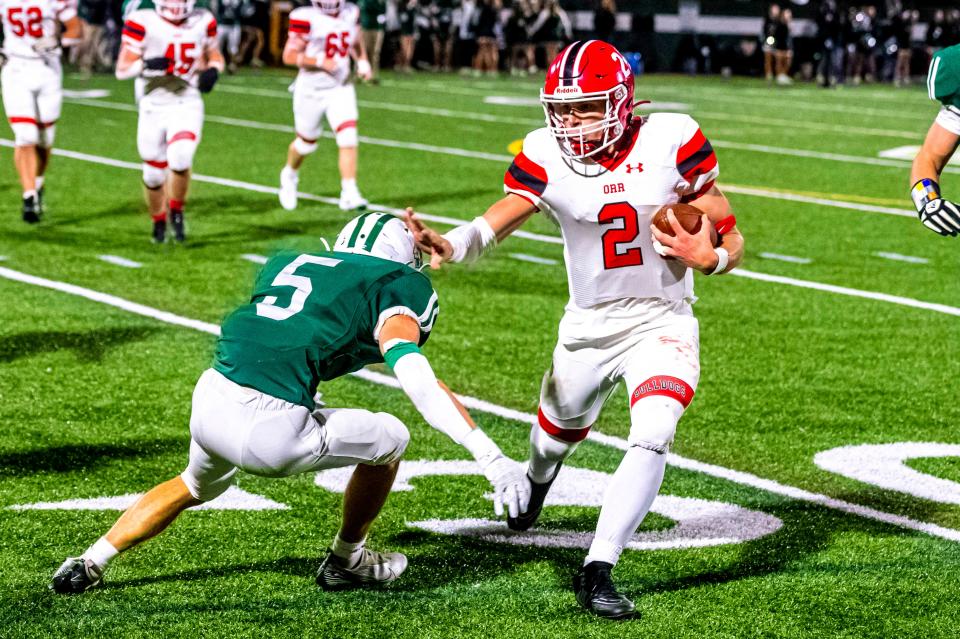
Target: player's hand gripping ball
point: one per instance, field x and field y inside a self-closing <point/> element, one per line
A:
<point x="689" y="218"/>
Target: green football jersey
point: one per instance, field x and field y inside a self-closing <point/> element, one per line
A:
<point x="312" y="318"/>
<point x="943" y="78"/>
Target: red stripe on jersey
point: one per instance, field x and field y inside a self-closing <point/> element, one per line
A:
<point x="182" y="135"/>
<point x="691" y="147"/>
<point x="156" y="164"/>
<point x="22" y="120"/>
<point x="531" y="167"/>
<point x="693" y="196"/>
<point x="570" y="435"/>
<point x="299" y="26"/>
<point x="133" y="30"/>
<point x="665" y="386"/>
<point x="346" y="125"/>
<point x="212" y="28"/>
<point x="707" y="165"/>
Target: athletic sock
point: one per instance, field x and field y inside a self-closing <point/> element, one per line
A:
<point x="626" y="502"/>
<point x="289" y="173"/>
<point x="159" y="217"/>
<point x="100" y="553"/>
<point x="545" y="453"/>
<point x="176" y="206"/>
<point x="39" y="182"/>
<point x="348" y="184"/>
<point x="349" y="552"/>
<point x="32" y="193"/>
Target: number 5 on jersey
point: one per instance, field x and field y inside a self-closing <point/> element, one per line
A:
<point x="302" y="284"/>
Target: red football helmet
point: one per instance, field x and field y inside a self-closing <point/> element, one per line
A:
<point x="585" y="71"/>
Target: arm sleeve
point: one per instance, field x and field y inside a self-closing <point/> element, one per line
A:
<point x="526" y="177"/>
<point x="418" y="381"/>
<point x="299" y="25"/>
<point x="212" y="32"/>
<point x="410" y="295"/>
<point x="696" y="163"/>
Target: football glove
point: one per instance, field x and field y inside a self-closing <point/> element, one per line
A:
<point x="941" y="216"/>
<point x="47" y="44"/>
<point x="208" y="77"/>
<point x="155" y="67"/>
<point x="510" y="485"/>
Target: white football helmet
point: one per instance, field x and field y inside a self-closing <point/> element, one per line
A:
<point x="330" y="7"/>
<point x="381" y="235"/>
<point x="174" y="10"/>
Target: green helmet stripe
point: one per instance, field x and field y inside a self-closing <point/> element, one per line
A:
<point x="375" y="232"/>
<point x="356" y="230"/>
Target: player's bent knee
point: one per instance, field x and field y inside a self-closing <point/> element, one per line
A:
<point x="304" y="147"/>
<point x="374" y="438"/>
<point x="25" y="134"/>
<point x="654" y="423"/>
<point x="207" y="488"/>
<point x="348" y="138"/>
<point x="154" y="174"/>
<point x="180" y="155"/>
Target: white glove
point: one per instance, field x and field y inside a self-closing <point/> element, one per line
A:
<point x="364" y="70"/>
<point x="510" y="485"/>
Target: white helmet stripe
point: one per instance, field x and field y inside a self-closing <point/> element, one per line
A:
<point x="576" y="62"/>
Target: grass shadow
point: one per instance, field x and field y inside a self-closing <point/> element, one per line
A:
<point x="89" y="346"/>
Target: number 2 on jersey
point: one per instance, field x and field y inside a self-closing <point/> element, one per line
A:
<point x="180" y="64"/>
<point x="32" y="26"/>
<point x="268" y="307"/>
<point x="614" y="237"/>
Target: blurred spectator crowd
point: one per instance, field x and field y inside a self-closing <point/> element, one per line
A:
<point x="839" y="42"/>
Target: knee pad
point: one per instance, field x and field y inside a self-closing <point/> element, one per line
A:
<point x="180" y="151"/>
<point x="205" y="477"/>
<point x="347" y="135"/>
<point x="376" y="438"/>
<point x="303" y="147"/>
<point x="154" y="174"/>
<point x="654" y="423"/>
<point x="46" y="135"/>
<point x="25" y="133"/>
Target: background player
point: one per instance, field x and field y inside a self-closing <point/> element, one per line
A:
<point x="172" y="52"/>
<point x="600" y="173"/>
<point x="32" y="80"/>
<point x="314" y="317"/>
<point x="322" y="40"/>
<point x="943" y="84"/>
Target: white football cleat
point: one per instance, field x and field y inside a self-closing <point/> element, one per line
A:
<point x="288" y="189"/>
<point x="372" y="569"/>
<point x="351" y="200"/>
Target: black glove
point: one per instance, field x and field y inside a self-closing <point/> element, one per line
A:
<point x="156" y="67"/>
<point x="941" y="216"/>
<point x="208" y="78"/>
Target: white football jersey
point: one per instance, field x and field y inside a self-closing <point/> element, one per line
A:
<point x="605" y="219"/>
<point x="326" y="37"/>
<point x="152" y="36"/>
<point x="26" y="22"/>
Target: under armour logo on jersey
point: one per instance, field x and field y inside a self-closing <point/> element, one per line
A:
<point x="638" y="167"/>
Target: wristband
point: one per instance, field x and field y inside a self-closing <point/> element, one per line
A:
<point x="469" y="241"/>
<point x="723" y="258"/>
<point x="483" y="449"/>
<point x="397" y="348"/>
<point x="924" y="191"/>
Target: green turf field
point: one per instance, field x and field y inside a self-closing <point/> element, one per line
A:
<point x="841" y="331"/>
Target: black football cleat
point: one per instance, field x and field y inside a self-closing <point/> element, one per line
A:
<point x="159" y="231"/>
<point x="179" y="232"/>
<point x="31" y="210"/>
<point x="538" y="493"/>
<point x="595" y="591"/>
<point x="76" y="575"/>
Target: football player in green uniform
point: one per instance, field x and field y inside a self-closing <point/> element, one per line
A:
<point x="312" y="318"/>
<point x="943" y="84"/>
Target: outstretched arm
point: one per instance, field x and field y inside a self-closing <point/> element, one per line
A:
<point x="466" y="243"/>
<point x="936" y="213"/>
<point x="442" y="410"/>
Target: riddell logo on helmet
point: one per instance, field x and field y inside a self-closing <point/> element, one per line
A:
<point x="566" y="90"/>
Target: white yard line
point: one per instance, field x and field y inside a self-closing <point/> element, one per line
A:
<point x="786" y="258"/>
<point x="119" y="261"/>
<point x="504" y="159"/>
<point x="523" y="257"/>
<point x="902" y="258"/>
<point x="253" y="257"/>
<point x="728" y="474"/>
<point x="550" y="239"/>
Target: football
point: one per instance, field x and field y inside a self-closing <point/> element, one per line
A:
<point x="688" y="216"/>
